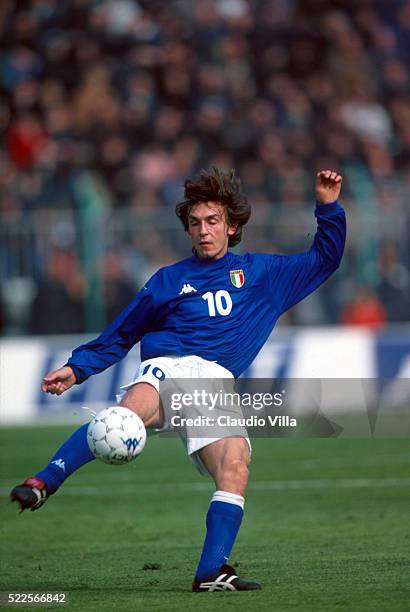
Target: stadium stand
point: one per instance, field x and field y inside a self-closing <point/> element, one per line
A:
<point x="106" y="106"/>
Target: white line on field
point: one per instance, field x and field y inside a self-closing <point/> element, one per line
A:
<point x="376" y="461"/>
<point x="115" y="476"/>
<point x="342" y="483"/>
<point x="259" y="485"/>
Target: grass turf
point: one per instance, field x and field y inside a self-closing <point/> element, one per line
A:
<point x="326" y="527"/>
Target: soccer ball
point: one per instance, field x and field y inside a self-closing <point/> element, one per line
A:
<point x="116" y="435"/>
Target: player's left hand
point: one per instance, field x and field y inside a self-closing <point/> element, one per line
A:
<point x="328" y="185"/>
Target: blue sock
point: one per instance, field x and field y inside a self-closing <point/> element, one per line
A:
<point x="223" y="520"/>
<point x="70" y="456"/>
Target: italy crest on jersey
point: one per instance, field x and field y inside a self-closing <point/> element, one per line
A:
<point x="237" y="278"/>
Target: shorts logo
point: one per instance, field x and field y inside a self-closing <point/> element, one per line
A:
<point x="237" y="278"/>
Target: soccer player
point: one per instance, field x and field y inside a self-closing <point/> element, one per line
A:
<point x="206" y="317"/>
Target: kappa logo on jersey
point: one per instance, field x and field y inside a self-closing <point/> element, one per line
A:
<point x="187" y="288"/>
<point x="237" y="278"/>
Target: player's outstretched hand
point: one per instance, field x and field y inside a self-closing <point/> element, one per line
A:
<point x="328" y="185"/>
<point x="58" y="381"/>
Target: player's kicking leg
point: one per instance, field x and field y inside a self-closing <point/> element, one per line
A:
<point x="75" y="452"/>
<point x="227" y="461"/>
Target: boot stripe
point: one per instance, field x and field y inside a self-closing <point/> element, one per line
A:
<point x="219" y="584"/>
<point x="38" y="494"/>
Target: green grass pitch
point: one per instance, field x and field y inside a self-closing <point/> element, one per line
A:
<point x="326" y="527"/>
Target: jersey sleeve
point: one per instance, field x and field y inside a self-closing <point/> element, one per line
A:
<point x="293" y="277"/>
<point x="117" y="339"/>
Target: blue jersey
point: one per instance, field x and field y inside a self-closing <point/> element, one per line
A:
<point x="222" y="310"/>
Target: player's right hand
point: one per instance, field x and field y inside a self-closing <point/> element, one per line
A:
<point x="58" y="381"/>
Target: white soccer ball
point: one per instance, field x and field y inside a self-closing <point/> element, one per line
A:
<point x="116" y="435"/>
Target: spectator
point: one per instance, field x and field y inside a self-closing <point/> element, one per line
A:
<point x="394" y="285"/>
<point x="58" y="307"/>
<point x="365" y="310"/>
<point x="118" y="291"/>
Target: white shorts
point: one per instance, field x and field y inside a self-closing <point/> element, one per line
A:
<point x="153" y="371"/>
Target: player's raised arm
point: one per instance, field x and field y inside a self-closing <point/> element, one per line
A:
<point x="58" y="381"/>
<point x="328" y="186"/>
<point x="293" y="277"/>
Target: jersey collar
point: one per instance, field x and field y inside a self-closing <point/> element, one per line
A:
<point x="215" y="263"/>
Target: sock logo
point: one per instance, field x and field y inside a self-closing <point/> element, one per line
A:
<point x="131" y="443"/>
<point x="59" y="463"/>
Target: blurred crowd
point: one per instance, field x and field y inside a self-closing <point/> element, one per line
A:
<point x="136" y="96"/>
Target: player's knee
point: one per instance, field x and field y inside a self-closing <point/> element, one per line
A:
<point x="240" y="471"/>
<point x="144" y="401"/>
<point x="128" y="402"/>
<point x="144" y="410"/>
<point x="234" y="476"/>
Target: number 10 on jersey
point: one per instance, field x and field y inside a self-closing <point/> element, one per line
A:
<point x="219" y="302"/>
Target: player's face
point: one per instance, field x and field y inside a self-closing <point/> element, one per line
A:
<point x="209" y="230"/>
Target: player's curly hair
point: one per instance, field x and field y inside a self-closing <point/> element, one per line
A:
<point x="214" y="185"/>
